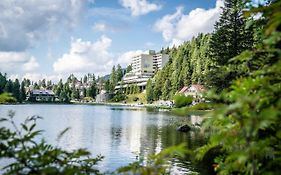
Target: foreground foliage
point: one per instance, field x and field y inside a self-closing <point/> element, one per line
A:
<point x="247" y="129"/>
<point x="158" y="164"/>
<point x="182" y="100"/>
<point x="20" y="147"/>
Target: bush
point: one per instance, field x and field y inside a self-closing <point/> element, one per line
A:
<point x="157" y="164"/>
<point x="88" y="99"/>
<point x="30" y="157"/>
<point x="6" y="98"/>
<point x="118" y="98"/>
<point x="203" y="106"/>
<point x="135" y="98"/>
<point x="182" y="100"/>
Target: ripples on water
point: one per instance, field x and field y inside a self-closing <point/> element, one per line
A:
<point x="121" y="134"/>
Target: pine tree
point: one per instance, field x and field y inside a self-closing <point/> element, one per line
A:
<point x="3" y="81"/>
<point x="84" y="92"/>
<point x="113" y="79"/>
<point x="59" y="88"/>
<point x="49" y="84"/>
<point x="43" y="83"/>
<point x="85" y="79"/>
<point x="75" y="94"/>
<point x="129" y="68"/>
<point x="9" y="86"/>
<point x="119" y="73"/>
<point x="93" y="91"/>
<point x="231" y="36"/>
<point x="107" y="86"/>
<point x="36" y="86"/>
<point x="149" y="91"/>
<point x="16" y="89"/>
<point x="22" y="92"/>
<point x="166" y="90"/>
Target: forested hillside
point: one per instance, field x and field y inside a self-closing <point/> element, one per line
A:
<point x="207" y="58"/>
<point x="189" y="63"/>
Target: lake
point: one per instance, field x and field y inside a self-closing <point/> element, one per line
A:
<point x="121" y="134"/>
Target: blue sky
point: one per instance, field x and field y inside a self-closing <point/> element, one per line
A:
<point x="51" y="39"/>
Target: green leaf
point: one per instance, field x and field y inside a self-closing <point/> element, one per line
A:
<point x="60" y="135"/>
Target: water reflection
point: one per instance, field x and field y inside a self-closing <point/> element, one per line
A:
<point x="118" y="133"/>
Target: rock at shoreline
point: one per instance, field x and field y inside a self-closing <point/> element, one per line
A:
<point x="184" y="128"/>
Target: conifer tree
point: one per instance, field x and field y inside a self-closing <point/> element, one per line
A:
<point x="113" y="79"/>
<point x="149" y="91"/>
<point x="231" y="37"/>
<point x="166" y="90"/>
<point x="3" y="81"/>
<point x="9" y="86"/>
<point x="16" y="89"/>
<point x="22" y="92"/>
<point x="119" y="73"/>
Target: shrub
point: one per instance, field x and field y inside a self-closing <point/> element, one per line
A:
<point x="7" y="98"/>
<point x="135" y="98"/>
<point x="30" y="157"/>
<point x="88" y="99"/>
<point x="157" y="164"/>
<point x="118" y="98"/>
<point x="203" y="106"/>
<point x="182" y="100"/>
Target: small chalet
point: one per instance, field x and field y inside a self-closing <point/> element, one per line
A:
<point x="194" y="90"/>
<point x="41" y="96"/>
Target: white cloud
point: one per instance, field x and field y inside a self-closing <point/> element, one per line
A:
<point x="35" y="77"/>
<point x="86" y="56"/>
<point x="24" y="22"/>
<point x="178" y="27"/>
<point x="149" y="44"/>
<point x="100" y="27"/>
<point x="11" y="62"/>
<point x="38" y="76"/>
<point x="139" y="7"/>
<point x="31" y="65"/>
<point x="112" y="27"/>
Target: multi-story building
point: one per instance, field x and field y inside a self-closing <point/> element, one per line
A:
<point x="144" y="66"/>
<point x="159" y="61"/>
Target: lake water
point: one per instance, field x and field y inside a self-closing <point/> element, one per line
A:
<point x="118" y="133"/>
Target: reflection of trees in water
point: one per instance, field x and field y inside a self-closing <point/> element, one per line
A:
<point x="116" y="135"/>
<point x="149" y="133"/>
<point x="158" y="137"/>
<point x="116" y="128"/>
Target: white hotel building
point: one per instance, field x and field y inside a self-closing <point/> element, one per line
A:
<point x="143" y="67"/>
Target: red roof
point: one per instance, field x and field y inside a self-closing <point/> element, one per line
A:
<point x="198" y="87"/>
<point x="184" y="89"/>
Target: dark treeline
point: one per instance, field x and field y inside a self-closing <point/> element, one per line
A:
<point x="71" y="89"/>
<point x="75" y="89"/>
<point x="15" y="88"/>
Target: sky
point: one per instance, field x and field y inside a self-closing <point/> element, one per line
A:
<point x="52" y="39"/>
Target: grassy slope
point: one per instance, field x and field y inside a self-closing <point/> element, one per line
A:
<point x="140" y="96"/>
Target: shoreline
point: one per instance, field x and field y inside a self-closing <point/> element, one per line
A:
<point x="176" y="111"/>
